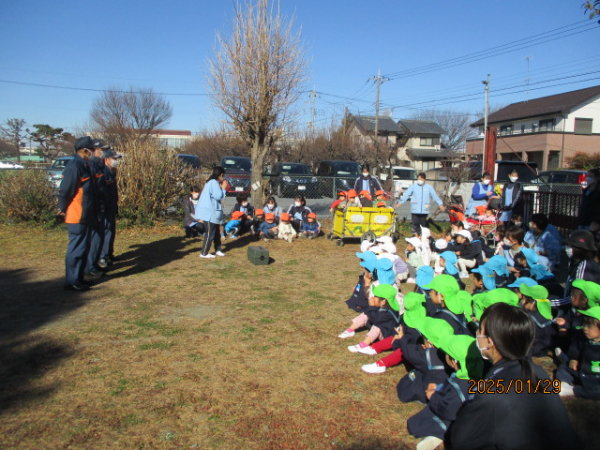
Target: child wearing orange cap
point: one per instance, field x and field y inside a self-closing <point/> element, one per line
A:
<point x="268" y="229"/>
<point x="352" y="197"/>
<point x="233" y="226"/>
<point x="311" y="228"/>
<point x="259" y="217"/>
<point x="340" y="202"/>
<point x="380" y="198"/>
<point x="285" y="229"/>
<point x="365" y="199"/>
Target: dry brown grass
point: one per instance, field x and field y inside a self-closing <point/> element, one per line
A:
<point x="171" y="351"/>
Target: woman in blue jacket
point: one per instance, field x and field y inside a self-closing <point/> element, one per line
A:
<point x="210" y="210"/>
<point x="420" y="195"/>
<point x="481" y="194"/>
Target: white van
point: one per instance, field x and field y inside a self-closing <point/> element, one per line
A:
<point x="403" y="177"/>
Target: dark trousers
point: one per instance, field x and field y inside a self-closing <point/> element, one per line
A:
<point x="566" y="375"/>
<point x="96" y="243"/>
<point x="213" y="233"/>
<point x="77" y="252"/>
<point x="418" y="221"/>
<point x="110" y="229"/>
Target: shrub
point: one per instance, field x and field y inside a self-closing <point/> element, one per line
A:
<point x="150" y="181"/>
<point x="584" y="161"/>
<point x="27" y="196"/>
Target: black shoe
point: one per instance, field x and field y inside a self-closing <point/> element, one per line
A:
<point x="86" y="282"/>
<point x="76" y="287"/>
<point x="95" y="274"/>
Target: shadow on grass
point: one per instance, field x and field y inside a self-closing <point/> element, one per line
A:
<point x="25" y="306"/>
<point x="143" y="257"/>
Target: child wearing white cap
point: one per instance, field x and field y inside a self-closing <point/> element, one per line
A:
<point x="413" y="257"/>
<point x="467" y="252"/>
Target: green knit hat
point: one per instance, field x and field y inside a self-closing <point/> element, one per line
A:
<point x="435" y="330"/>
<point x="414" y="309"/>
<point x="540" y="295"/>
<point x="463" y="349"/>
<point x="388" y="292"/>
<point x="590" y="289"/>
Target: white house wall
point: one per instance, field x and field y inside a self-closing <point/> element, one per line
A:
<point x="589" y="110"/>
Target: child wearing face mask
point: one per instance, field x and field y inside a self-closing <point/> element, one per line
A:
<point x="192" y="226"/>
<point x="272" y="208"/>
<point x="512" y="201"/>
<point x="299" y="212"/>
<point x="244" y="206"/>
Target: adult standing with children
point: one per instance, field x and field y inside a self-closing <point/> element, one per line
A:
<point x="421" y="195"/>
<point x="481" y="194"/>
<point x="210" y="210"/>
<point x="367" y="182"/>
<point x="507" y="411"/>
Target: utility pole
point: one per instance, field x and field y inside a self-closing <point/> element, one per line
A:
<point x="527" y="80"/>
<point x="313" y="96"/>
<point x="485" y="119"/>
<point x="378" y="80"/>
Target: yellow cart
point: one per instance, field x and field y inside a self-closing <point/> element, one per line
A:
<point x="364" y="223"/>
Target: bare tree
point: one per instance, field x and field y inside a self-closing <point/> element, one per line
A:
<point x="129" y="115"/>
<point x="213" y="146"/>
<point x="254" y="78"/>
<point x="456" y="124"/>
<point x="13" y="130"/>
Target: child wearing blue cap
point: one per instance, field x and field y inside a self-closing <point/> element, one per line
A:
<point x="359" y="299"/>
<point x="448" y="262"/>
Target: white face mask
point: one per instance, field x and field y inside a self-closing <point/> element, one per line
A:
<point x="486" y="182"/>
<point x="271" y="206"/>
<point x="420" y="182"/>
<point x="365" y="174"/>
<point x="481" y="349"/>
<point x="518" y="224"/>
<point x="507" y="242"/>
<point x="513" y="179"/>
<point x="244" y="203"/>
<point x="298" y="204"/>
<point x="569" y="251"/>
<point x="195" y="195"/>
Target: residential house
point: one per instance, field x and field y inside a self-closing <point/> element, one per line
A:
<point x="422" y="147"/>
<point x="362" y="130"/>
<point x="173" y="139"/>
<point x="546" y="130"/>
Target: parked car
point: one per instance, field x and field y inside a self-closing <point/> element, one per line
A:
<point x="561" y="177"/>
<point x="402" y="177"/>
<point x="343" y="173"/>
<point x="56" y="170"/>
<point x="10" y="165"/>
<point x="291" y="179"/>
<point x="238" y="171"/>
<point x="192" y="160"/>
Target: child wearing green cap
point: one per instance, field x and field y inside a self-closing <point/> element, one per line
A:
<point x="581" y="377"/>
<point x="426" y="359"/>
<point x="445" y="400"/>
<point x="381" y="317"/>
<point x="534" y="300"/>
<point x="451" y="302"/>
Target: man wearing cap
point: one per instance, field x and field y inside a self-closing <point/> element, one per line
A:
<point x="367" y="182"/>
<point x="92" y="267"/>
<point x="77" y="203"/>
<point x="111" y="159"/>
<point x="421" y="195"/>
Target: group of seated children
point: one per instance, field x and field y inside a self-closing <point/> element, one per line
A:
<point x="435" y="329"/>
<point x="270" y="222"/>
<point x="362" y="199"/>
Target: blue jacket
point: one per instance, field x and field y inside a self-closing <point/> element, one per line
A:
<point x="420" y="198"/>
<point x="264" y="227"/>
<point x="480" y="191"/>
<point x="229" y="226"/>
<point x="209" y="207"/>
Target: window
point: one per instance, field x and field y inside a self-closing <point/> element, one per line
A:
<point x="583" y="126"/>
<point x="522" y="129"/>
<point x="426" y="142"/>
<point x="506" y="130"/>
<point x="547" y="125"/>
<point x="534" y="127"/>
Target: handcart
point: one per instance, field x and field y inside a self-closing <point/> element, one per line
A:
<point x="364" y="223"/>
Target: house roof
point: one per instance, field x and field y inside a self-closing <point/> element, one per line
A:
<point x="421" y="127"/>
<point x="426" y="153"/>
<point x="386" y="124"/>
<point x="553" y="104"/>
<point x="172" y="132"/>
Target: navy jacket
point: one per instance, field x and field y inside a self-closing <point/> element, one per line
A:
<point x="544" y="334"/>
<point x="77" y="193"/>
<point x="358" y="301"/>
<point x="456" y="321"/>
<point x="383" y="318"/>
<point x="588" y="355"/>
<point x="516" y="421"/>
<point x="374" y="185"/>
<point x="112" y="192"/>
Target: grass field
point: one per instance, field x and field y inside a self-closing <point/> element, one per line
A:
<point x="174" y="352"/>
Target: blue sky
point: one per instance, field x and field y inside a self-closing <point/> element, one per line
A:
<point x="164" y="45"/>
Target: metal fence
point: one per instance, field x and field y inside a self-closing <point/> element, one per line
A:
<point x="559" y="202"/>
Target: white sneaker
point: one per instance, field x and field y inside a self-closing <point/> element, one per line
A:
<point x="373" y="368"/>
<point x="219" y="253"/>
<point x="346" y="334"/>
<point x="368" y="350"/>
<point x="207" y="256"/>
<point x="354" y="348"/>
<point x="410" y="281"/>
<point x="566" y="390"/>
<point x="462" y="275"/>
<point x="429" y="443"/>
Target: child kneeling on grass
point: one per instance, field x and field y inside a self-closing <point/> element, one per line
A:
<point x="446" y="399"/>
<point x="233" y="227"/>
<point x="311" y="227"/>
